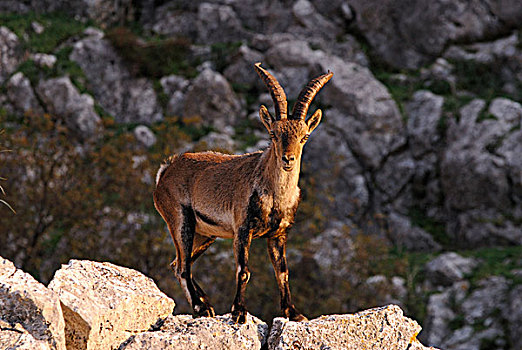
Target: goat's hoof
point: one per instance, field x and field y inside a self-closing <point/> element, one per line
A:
<point x="204" y="311"/>
<point x="298" y="318"/>
<point x="239" y="316"/>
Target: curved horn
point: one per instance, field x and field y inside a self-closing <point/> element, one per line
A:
<point x="307" y="95"/>
<point x="277" y="92"/>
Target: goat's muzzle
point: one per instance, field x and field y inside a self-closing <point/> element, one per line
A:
<point x="288" y="162"/>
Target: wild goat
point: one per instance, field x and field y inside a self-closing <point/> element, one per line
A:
<point x="202" y="196"/>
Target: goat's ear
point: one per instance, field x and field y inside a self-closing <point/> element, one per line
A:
<point x="266" y="118"/>
<point x="314" y="120"/>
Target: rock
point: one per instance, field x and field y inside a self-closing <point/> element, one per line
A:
<point x="241" y="67"/>
<point x="513" y="314"/>
<point x="312" y="22"/>
<point x="128" y="99"/>
<point x="184" y="332"/>
<point x="104" y="304"/>
<point x="21" y="94"/>
<point x="408" y="35"/>
<point x="403" y="234"/>
<point x="211" y="98"/>
<point x="486" y="299"/>
<point x="16" y="337"/>
<point x="217" y="142"/>
<point x="424" y="112"/>
<point x="449" y="268"/>
<point x="510" y="151"/>
<point x="175" y="88"/>
<point x="379" y="328"/>
<point x="486" y="53"/>
<point x="11" y="53"/>
<point x="332" y="250"/>
<point x="43" y="60"/>
<point x="394" y="175"/>
<point x="506" y="110"/>
<point x="218" y="23"/>
<point x="37" y="27"/>
<point x="144" y="135"/>
<point x="35" y="308"/>
<point x="169" y="20"/>
<point x="63" y="99"/>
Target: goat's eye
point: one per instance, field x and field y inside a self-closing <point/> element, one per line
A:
<point x="272" y="136"/>
<point x="305" y="138"/>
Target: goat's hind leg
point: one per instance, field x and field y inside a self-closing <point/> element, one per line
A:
<point x="183" y="234"/>
<point x="201" y="244"/>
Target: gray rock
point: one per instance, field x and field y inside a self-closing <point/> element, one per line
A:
<point x="37" y="27"/>
<point x="408" y="34"/>
<point x="175" y="88"/>
<point x="16" y="337"/>
<point x="63" y="99"/>
<point x="97" y="298"/>
<point x="379" y="328"/>
<point x="487" y="52"/>
<point x="218" y="23"/>
<point x="183" y="332"/>
<point x="43" y="60"/>
<point x="35" y="308"/>
<point x="513" y="314"/>
<point x="394" y="175"/>
<point x="128" y="99"/>
<point x="211" y="99"/>
<point x="449" y="268"/>
<point x="484" y="301"/>
<point x="332" y="250"/>
<point x="144" y="135"/>
<point x="21" y="94"/>
<point x="217" y="141"/>
<point x="510" y="151"/>
<point x="506" y="111"/>
<point x="169" y="20"/>
<point x="11" y="53"/>
<point x="312" y="23"/>
<point x="241" y="67"/>
<point x="403" y="234"/>
<point x="424" y="112"/>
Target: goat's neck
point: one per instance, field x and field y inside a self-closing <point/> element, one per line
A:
<point x="280" y="184"/>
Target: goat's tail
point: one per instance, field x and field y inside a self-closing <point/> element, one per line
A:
<point x="164" y="167"/>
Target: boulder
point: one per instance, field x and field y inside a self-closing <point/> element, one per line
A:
<point x="145" y="136"/>
<point x="424" y="112"/>
<point x="409" y="34"/>
<point x="11" y="53"/>
<point x="211" y="99"/>
<point x="28" y="305"/>
<point x="406" y="236"/>
<point x="218" y="23"/>
<point x="104" y="304"/>
<point x="128" y="99"/>
<point x="379" y="328"/>
<point x="184" y="332"/>
<point x="513" y="314"/>
<point x="43" y="60"/>
<point x="175" y="87"/>
<point x="240" y="70"/>
<point x="449" y="268"/>
<point x="21" y="94"/>
<point x="16" y="337"/>
<point x="63" y="99"/>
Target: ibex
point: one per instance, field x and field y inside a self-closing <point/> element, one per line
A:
<point x="202" y="196"/>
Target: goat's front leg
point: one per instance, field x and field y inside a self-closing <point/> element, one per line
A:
<point x="241" y="249"/>
<point x="277" y="252"/>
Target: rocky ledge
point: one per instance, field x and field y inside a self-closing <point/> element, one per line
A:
<point x="98" y="305"/>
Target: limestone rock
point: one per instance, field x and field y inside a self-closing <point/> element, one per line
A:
<point x="35" y="308"/>
<point x="10" y="53"/>
<point x="21" y="94"/>
<point x="18" y="338"/>
<point x="239" y="71"/>
<point x="409" y="237"/>
<point x="379" y="328"/>
<point x="424" y="113"/>
<point x="175" y="87"/>
<point x="128" y="99"/>
<point x="448" y="268"/>
<point x="408" y="34"/>
<point x="211" y="99"/>
<point x="218" y="23"/>
<point x="64" y="100"/>
<point x="145" y="135"/>
<point x="104" y="304"/>
<point x="183" y="332"/>
<point x="43" y="60"/>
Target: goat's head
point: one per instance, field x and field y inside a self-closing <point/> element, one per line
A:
<point x="290" y="132"/>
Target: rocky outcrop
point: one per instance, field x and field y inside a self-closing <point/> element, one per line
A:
<point x="30" y="314"/>
<point x="408" y="34"/>
<point x="11" y="53"/>
<point x="183" y="332"/>
<point x="104" y="304"/>
<point x="380" y="328"/>
<point x="63" y="100"/>
<point x="127" y="98"/>
<point x="111" y="307"/>
<point x="21" y="94"/>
